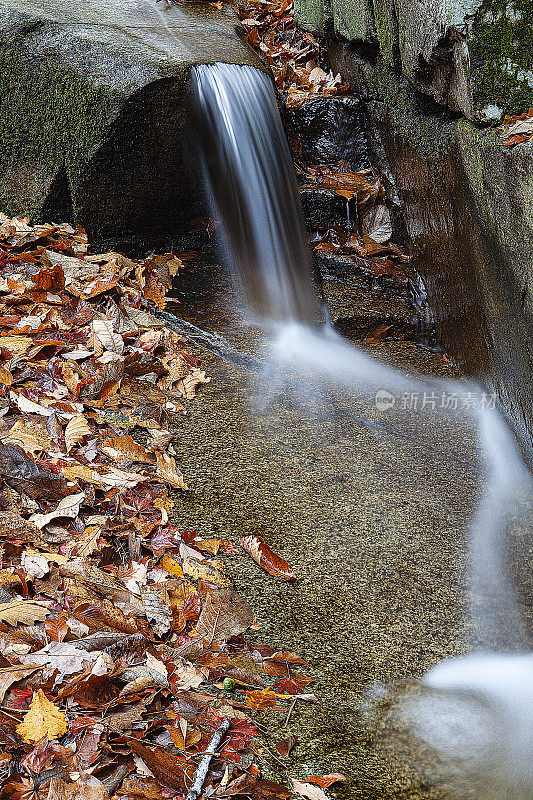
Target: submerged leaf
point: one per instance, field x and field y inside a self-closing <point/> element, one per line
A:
<point x="266" y="558"/>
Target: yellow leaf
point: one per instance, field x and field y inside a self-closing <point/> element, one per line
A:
<point x="16" y="344"/>
<point x="76" y="430"/>
<point x="172" y="566"/>
<point x="43" y="719"/>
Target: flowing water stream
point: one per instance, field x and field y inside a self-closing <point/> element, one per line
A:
<point x="474" y="713"/>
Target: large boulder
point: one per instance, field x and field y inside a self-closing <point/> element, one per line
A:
<point x="433" y="73"/>
<point x="94" y="106"/>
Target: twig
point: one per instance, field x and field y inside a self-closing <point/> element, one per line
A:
<point x="203" y="767"/>
<point x="291" y="709"/>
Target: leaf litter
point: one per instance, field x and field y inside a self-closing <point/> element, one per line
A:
<point x="117" y="628"/>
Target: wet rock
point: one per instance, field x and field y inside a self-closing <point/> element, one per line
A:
<point x="322" y="208"/>
<point x="468" y="210"/>
<point x="328" y="131"/>
<point x="94" y="108"/>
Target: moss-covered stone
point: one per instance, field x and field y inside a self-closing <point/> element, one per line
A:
<point x="501" y="48"/>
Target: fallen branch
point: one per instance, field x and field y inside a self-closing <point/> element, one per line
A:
<point x="203" y="767"/>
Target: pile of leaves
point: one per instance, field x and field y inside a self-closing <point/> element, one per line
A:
<point x="121" y="637"/>
<point x="293" y="54"/>
<point x="518" y="129"/>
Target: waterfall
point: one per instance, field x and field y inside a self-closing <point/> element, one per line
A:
<point x="251" y="188"/>
<point x="476" y="712"/>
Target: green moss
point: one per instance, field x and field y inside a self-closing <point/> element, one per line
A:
<point x="501" y="48"/>
<point x="50" y="119"/>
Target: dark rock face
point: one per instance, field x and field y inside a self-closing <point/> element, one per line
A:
<point x="93" y="102"/>
<point x="328" y="131"/>
<point x="468" y="210"/>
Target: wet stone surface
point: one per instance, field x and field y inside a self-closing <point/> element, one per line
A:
<point x="373" y="525"/>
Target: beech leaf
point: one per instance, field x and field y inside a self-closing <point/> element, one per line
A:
<point x="266" y="558"/>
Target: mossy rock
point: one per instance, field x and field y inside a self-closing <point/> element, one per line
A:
<point x="501" y="49"/>
<point x="94" y="106"/>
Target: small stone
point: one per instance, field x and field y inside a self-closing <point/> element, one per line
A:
<point x="491" y="113"/>
<point x="228" y="684"/>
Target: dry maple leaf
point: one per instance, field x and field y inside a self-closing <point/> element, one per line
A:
<point x="266" y="558"/>
<point x="43" y="719"/>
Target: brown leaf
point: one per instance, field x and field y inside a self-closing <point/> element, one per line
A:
<point x="261" y="699"/>
<point x="158" y="612"/>
<point x="31" y="436"/>
<point x="170" y="770"/>
<point x="224" y="614"/>
<point x="13" y="527"/>
<point x="212" y="571"/>
<point x="326" y="780"/>
<point x="167" y="469"/>
<point x="10" y="675"/>
<point x="23" y="611"/>
<point x="123" y="721"/>
<point x="126" y="446"/>
<point x="266" y="558"/>
<point x="141" y="787"/>
<point x="104" y="616"/>
<point x="25" y="475"/>
<point x="76" y="431"/>
<point x="43" y="719"/>
<point x="285" y="746"/>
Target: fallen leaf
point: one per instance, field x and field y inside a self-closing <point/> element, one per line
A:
<point x="24" y="612"/>
<point x="68" y="507"/>
<point x="266" y="558"/>
<point x="76" y="431"/>
<point x="10" y="675"/>
<point x="167" y="469"/>
<point x="224" y="614"/>
<point x="31" y="436"/>
<point x="308" y="791"/>
<point x="170" y="770"/>
<point x="285" y="746"/>
<point x="326" y="780"/>
<point x="43" y="719"/>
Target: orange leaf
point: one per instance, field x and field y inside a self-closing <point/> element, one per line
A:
<point x="326" y="780"/>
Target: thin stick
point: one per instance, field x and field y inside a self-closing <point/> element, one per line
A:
<point x="203" y="767"/>
<point x="291" y="709"/>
